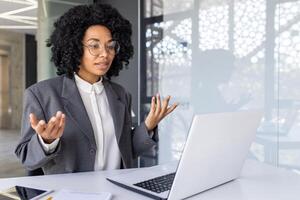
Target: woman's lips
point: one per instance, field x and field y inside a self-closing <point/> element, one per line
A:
<point x="101" y="65"/>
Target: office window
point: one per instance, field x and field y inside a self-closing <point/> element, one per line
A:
<point x="48" y="12"/>
<point x="225" y="55"/>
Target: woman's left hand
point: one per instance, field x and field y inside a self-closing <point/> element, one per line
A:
<point x="158" y="111"/>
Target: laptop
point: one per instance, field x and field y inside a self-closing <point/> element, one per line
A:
<point x="215" y="150"/>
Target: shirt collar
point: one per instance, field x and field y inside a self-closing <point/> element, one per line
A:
<point x="87" y="87"/>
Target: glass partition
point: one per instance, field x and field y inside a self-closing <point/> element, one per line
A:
<point x="225" y="55"/>
<point x="48" y="12"/>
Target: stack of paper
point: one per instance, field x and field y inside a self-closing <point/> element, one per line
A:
<point x="74" y="195"/>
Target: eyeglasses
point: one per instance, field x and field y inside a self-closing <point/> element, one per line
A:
<point x="95" y="47"/>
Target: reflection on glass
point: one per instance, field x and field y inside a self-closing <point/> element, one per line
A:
<point x="224" y="56"/>
<point x="165" y="7"/>
<point x="208" y="76"/>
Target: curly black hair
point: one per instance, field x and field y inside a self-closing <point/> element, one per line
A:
<point x="66" y="39"/>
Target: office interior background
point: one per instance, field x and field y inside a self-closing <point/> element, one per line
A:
<point x="209" y="55"/>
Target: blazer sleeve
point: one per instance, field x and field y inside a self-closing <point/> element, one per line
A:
<point x="29" y="150"/>
<point x="141" y="140"/>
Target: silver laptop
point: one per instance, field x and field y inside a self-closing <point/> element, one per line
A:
<point x="214" y="153"/>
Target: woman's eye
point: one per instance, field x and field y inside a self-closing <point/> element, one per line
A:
<point x="110" y="47"/>
<point x="94" y="46"/>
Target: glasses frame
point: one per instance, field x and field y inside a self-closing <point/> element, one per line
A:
<point x="102" y="47"/>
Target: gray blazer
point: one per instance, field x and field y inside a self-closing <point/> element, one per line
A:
<point x="77" y="147"/>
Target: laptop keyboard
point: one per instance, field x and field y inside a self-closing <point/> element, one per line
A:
<point x="158" y="184"/>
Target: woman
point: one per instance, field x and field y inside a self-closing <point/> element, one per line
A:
<point x="80" y="120"/>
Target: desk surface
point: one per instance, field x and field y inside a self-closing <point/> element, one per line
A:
<point x="258" y="181"/>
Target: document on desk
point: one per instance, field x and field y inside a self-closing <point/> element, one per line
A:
<point x="75" y="195"/>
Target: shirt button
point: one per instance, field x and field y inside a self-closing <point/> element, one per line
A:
<point x="92" y="151"/>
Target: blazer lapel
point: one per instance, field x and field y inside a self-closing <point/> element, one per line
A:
<point x="75" y="109"/>
<point x="117" y="108"/>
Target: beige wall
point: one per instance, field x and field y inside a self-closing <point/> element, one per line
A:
<point x="12" y="83"/>
<point x="4" y="92"/>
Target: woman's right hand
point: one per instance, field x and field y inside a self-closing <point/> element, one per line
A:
<point x="51" y="131"/>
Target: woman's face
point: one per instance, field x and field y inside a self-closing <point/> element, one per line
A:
<point x="98" y="53"/>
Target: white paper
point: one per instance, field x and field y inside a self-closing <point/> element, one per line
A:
<point x="75" y="195"/>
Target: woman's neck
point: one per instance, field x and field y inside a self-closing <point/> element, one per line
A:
<point x="89" y="78"/>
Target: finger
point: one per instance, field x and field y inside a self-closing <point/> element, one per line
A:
<point x="56" y="125"/>
<point x="62" y="127"/>
<point x="152" y="107"/>
<point x="40" y="127"/>
<point x="171" y="108"/>
<point x="58" y="115"/>
<point x="33" y="120"/>
<point x="50" y="126"/>
<point x="62" y="120"/>
<point x="58" y="118"/>
<point x="158" y="105"/>
<point x="54" y="131"/>
<point x="165" y="104"/>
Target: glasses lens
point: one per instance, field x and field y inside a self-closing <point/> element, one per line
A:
<point x="113" y="47"/>
<point x="96" y="47"/>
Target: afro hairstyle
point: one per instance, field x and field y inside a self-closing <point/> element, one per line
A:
<point x="66" y="39"/>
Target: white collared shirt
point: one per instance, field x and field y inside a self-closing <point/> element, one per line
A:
<point x="96" y="104"/>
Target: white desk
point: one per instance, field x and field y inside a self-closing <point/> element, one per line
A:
<point x="258" y="181"/>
